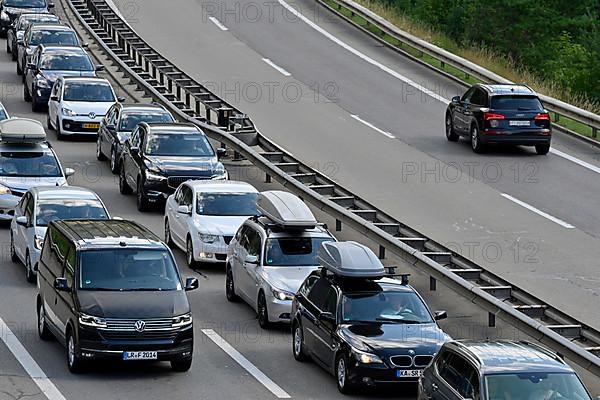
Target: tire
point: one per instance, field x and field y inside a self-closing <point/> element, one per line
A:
<point x="114" y="161"/>
<point x="43" y="331"/>
<point x="13" y="254"/>
<point x="451" y="135"/>
<point x="344" y="384"/>
<point x="19" y="70"/>
<point x="26" y="94"/>
<point x="49" y="122"/>
<point x="189" y="253"/>
<point x="181" y="366"/>
<point x="59" y="134"/>
<point x="8" y="50"/>
<point x="14" y="54"/>
<point x="542" y="149"/>
<point x="230" y="286"/>
<point x="263" y="311"/>
<point x="298" y="343"/>
<point x="74" y="361"/>
<point x="123" y="185"/>
<point x="142" y="200"/>
<point x="35" y="106"/>
<point x="99" y="155"/>
<point x="168" y="238"/>
<point x="476" y="144"/>
<point x="29" y="272"/>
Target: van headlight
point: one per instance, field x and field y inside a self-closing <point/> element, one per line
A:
<point x="283" y="295"/>
<point x="38" y="242"/>
<point x="366" y="358"/>
<point x="92" y="322"/>
<point x="182" y="320"/>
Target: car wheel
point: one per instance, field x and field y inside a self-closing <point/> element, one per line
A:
<point x="35" y="106"/>
<point x="49" y="122"/>
<point x="123" y="185"/>
<point x="43" y="331"/>
<point x="181" y="366"/>
<point x="230" y="286"/>
<point x="26" y="94"/>
<point x="99" y="155"/>
<point x="74" y="361"/>
<point x="168" y="238"/>
<point x="542" y="149"/>
<point x="19" y="70"/>
<point x="298" y="343"/>
<point x="263" y="312"/>
<point x="142" y="200"/>
<point x="14" y="53"/>
<point x="114" y="162"/>
<point x="8" y="49"/>
<point x="13" y="254"/>
<point x="451" y="135"/>
<point x="59" y="134"/>
<point x="189" y="253"/>
<point x="344" y="384"/>
<point x="476" y="144"/>
<point x="29" y="273"/>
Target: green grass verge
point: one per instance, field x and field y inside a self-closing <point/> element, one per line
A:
<point x="568" y="123"/>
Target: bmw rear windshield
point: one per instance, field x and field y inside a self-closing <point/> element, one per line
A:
<point x="516" y="102"/>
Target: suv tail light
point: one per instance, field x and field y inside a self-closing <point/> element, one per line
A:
<point x="493" y="118"/>
<point x="542" y="117"/>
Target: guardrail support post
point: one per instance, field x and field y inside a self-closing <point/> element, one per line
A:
<point x="594" y="132"/>
<point x="268" y="179"/>
<point x="556" y="117"/>
<point x="491" y="320"/>
<point x="338" y="225"/>
<point x="381" y="252"/>
<point x="432" y="284"/>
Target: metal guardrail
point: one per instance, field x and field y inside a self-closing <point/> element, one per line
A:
<point x="558" y="107"/>
<point x="564" y="334"/>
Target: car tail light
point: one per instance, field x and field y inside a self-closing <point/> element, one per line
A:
<point x="491" y="116"/>
<point x="542" y="117"/>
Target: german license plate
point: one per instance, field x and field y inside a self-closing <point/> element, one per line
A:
<point x="91" y="126"/>
<point x="409" y="373"/>
<point x="140" y="355"/>
<point x="519" y="123"/>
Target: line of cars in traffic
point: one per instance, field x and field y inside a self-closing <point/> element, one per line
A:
<point x="109" y="288"/>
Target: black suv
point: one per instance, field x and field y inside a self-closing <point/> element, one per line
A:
<point x="499" y="370"/>
<point x="161" y="156"/>
<point x="366" y="332"/>
<point x="511" y="114"/>
<point x="11" y="9"/>
<point x="111" y="289"/>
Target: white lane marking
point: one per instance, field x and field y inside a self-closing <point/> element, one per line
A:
<point x="247" y="365"/>
<point x="29" y="365"/>
<point x="370" y="125"/>
<point x="576" y="160"/>
<point x="277" y="67"/>
<point x="363" y="56"/>
<point x="538" y="211"/>
<point x="218" y="23"/>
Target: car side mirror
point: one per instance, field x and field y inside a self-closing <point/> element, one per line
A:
<point x="30" y="66"/>
<point x="69" y="172"/>
<point x="221" y="152"/>
<point x="21" y="220"/>
<point x="85" y="45"/>
<point x="250" y="259"/>
<point x="50" y="5"/>
<point x="61" y="284"/>
<point x="456" y="99"/>
<point x="99" y="67"/>
<point x="134" y="149"/>
<point x="184" y="210"/>
<point x="439" y="315"/>
<point x="20" y="42"/>
<point x="327" y="317"/>
<point x="53" y="98"/>
<point x="120" y="99"/>
<point x="191" y="284"/>
<point x="111" y="127"/>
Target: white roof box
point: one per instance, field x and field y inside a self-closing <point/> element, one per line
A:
<point x="22" y="130"/>
<point x="285" y="210"/>
<point x="350" y="259"/>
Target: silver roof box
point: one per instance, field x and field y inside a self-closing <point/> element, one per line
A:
<point x="22" y="130"/>
<point x="350" y="259"/>
<point x="285" y="209"/>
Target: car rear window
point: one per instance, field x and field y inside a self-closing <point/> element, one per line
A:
<point x="515" y="102"/>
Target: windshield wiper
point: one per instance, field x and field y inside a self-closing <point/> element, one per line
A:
<point x="398" y="321"/>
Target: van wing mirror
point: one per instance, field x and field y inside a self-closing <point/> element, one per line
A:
<point x="62" y="285"/>
<point x="191" y="284"/>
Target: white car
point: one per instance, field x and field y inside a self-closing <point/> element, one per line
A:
<point x="26" y="160"/>
<point x="201" y="217"/>
<point x="37" y="208"/>
<point x="77" y="105"/>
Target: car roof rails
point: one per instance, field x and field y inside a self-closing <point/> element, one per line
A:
<point x="285" y="210"/>
<point x="350" y="260"/>
<point x="22" y="130"/>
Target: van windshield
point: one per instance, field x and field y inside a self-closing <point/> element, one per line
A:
<point x="128" y="270"/>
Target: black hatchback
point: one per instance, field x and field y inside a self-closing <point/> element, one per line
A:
<point x="496" y="114"/>
<point x="111" y="290"/>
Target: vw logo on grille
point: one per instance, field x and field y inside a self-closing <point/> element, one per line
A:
<point x="139" y="326"/>
<point x="92" y="115"/>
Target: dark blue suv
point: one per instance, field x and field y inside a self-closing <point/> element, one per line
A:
<point x="501" y="113"/>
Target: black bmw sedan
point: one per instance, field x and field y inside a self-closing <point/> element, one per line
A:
<point x="365" y="332"/>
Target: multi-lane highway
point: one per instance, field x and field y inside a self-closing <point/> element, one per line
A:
<point x="382" y="154"/>
<point x="374" y="120"/>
